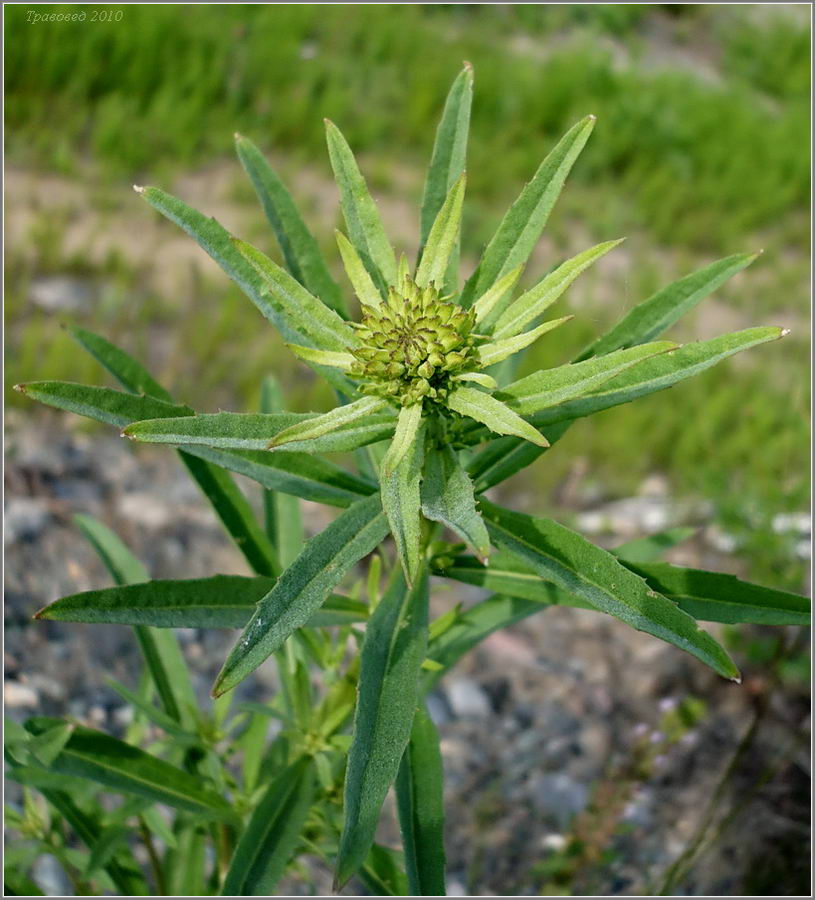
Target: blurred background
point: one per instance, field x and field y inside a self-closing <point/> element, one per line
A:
<point x="701" y="149"/>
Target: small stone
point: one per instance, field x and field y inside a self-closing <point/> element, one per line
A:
<point x="467" y="699"/>
<point x="560" y="797"/>
<point x="61" y="294"/>
<point x="553" y="842"/>
<point x="25" y="518"/>
<point x="438" y="708"/>
<point x="17" y="695"/>
<point x="145" y="509"/>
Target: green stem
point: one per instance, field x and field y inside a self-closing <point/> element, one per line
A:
<point x="155" y="863"/>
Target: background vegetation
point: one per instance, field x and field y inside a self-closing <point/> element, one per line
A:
<point x="701" y="149"/>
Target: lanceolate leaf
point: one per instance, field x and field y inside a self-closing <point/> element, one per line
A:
<point x="161" y="652"/>
<point x="98" y="757"/>
<point x="447" y="497"/>
<point x="382" y="873"/>
<point x="651" y="548"/>
<point x="506" y="456"/>
<point x="296" y="474"/>
<point x="522" y="225"/>
<point x="402" y="504"/>
<point x="653" y="316"/>
<point x="407" y="427"/>
<point x="365" y="289"/>
<point x="392" y="653"/>
<point x="718" y="597"/>
<point x="495" y="351"/>
<point x="333" y="358"/>
<point x="420" y="800"/>
<point x="220" y="601"/>
<point x="304" y="586"/>
<point x="224" y="430"/>
<point x="273" y="833"/>
<point x="443" y="238"/>
<point x="300" y="250"/>
<point x="361" y="215"/>
<point x="132" y="374"/>
<point x="318" y="426"/>
<point x="235" y="513"/>
<point x="538" y="299"/>
<point x="594" y="575"/>
<point x="497" y="296"/>
<point x="100" y="403"/>
<point x="495" y="415"/>
<point x="548" y="387"/>
<point x="449" y="149"/>
<point x="658" y="373"/>
<point x="307" y="314"/>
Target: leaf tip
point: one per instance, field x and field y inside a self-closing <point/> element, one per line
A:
<point x="785" y="332"/>
<point x="20" y="388"/>
<point x="138" y="188"/>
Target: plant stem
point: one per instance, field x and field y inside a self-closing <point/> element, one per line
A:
<point x="155" y="862"/>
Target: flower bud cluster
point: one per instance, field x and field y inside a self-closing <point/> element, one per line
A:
<point x="412" y="344"/>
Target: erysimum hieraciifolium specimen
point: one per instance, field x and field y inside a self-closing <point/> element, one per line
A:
<point x="429" y="404"/>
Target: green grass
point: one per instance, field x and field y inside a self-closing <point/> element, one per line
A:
<point x="701" y="149"/>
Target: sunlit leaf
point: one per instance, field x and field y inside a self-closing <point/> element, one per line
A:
<point x="337" y="418"/>
<point x="493" y="413"/>
<point x="495" y="351"/>
<point x="443" y="238"/>
<point x="365" y="289"/>
<point x="401" y="502"/>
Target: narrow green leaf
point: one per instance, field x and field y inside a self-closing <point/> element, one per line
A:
<point x="420" y="801"/>
<point x="161" y="652"/>
<point x="304" y="586"/>
<point x="497" y="296"/>
<point x="223" y="430"/>
<point x="132" y="374"/>
<point x="361" y="215"/>
<point x="46" y="747"/>
<point x="522" y="225"/>
<point x="392" y="653"/>
<point x="219" y="601"/>
<point x="443" y="238"/>
<point x="653" y="316"/>
<point x="718" y="597"/>
<point x="298" y="474"/>
<point x="549" y="387"/>
<point x="382" y="873"/>
<point x="282" y="514"/>
<point x="495" y="351"/>
<point x="472" y="627"/>
<point x="447" y="497"/>
<point x="481" y="378"/>
<point x="650" y="549"/>
<point x="123" y="868"/>
<point x="657" y="373"/>
<point x="331" y="358"/>
<point x="401" y="502"/>
<point x="365" y="289"/>
<point x="100" y="403"/>
<point x="110" y="841"/>
<point x="594" y="575"/>
<point x="152" y="713"/>
<point x="538" y="299"/>
<point x="407" y="427"/>
<point x="186" y="863"/>
<point x="372" y="429"/>
<point x="495" y="415"/>
<point x="235" y="512"/>
<point x="449" y="149"/>
<point x="309" y="315"/>
<point x="272" y="834"/>
<point x="300" y="250"/>
<point x="336" y="418"/>
<point x="105" y="760"/>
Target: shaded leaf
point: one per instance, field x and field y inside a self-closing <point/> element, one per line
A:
<point x="132" y="374"/>
<point x="447" y="497"/>
<point x="304" y="586"/>
<point x="650" y="549"/>
<point x="300" y="250"/>
<point x="420" y="801"/>
<point x="382" y="873"/>
<point x="594" y="575"/>
<point x="272" y="834"/>
<point x="392" y="653"/>
<point x="522" y="225"/>
<point x="105" y="760"/>
<point x="401" y="502"/>
<point x="404" y="437"/>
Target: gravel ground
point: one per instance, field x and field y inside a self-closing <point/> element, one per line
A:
<point x="534" y="723"/>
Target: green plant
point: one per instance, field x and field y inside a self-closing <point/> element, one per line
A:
<point x="428" y="403"/>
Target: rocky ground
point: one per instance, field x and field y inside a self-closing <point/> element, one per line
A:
<point x="540" y="724"/>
